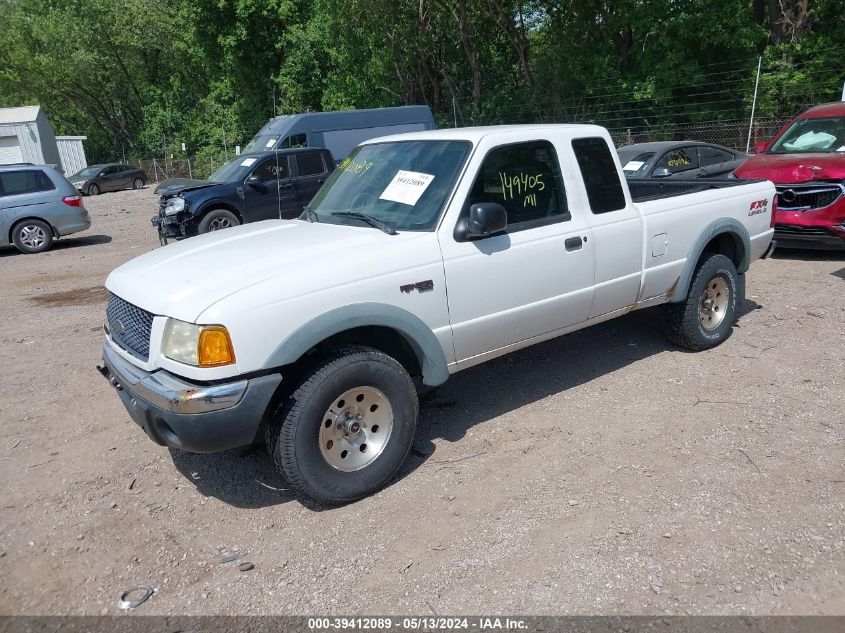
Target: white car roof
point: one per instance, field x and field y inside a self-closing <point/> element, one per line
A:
<point x="475" y="134"/>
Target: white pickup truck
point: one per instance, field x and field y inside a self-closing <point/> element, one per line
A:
<point x="422" y="255"/>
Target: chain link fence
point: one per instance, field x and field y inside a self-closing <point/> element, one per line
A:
<point x="733" y="134"/>
<point x="198" y="167"/>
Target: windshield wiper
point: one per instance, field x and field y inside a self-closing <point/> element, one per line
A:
<point x="368" y="219"/>
<point x="309" y="214"/>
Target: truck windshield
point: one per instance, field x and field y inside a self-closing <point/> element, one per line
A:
<point x="403" y="184"/>
<point x="261" y="143"/>
<point x="235" y="169"/>
<point x="823" y="135"/>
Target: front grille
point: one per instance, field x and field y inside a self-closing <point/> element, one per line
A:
<point x="788" y="230"/>
<point x="129" y="326"/>
<point x="808" y="197"/>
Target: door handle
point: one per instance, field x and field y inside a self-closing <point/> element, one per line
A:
<point x="573" y="243"/>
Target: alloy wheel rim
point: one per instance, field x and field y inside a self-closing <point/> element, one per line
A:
<point x="219" y="223"/>
<point x="33" y="236"/>
<point x="714" y="304"/>
<point x="356" y="429"/>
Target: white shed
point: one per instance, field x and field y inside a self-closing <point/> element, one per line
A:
<point x="26" y="136"/>
<point x="72" y="153"/>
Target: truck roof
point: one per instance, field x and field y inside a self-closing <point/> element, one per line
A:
<point x="475" y="134"/>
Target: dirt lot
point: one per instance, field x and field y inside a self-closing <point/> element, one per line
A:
<point x="605" y="472"/>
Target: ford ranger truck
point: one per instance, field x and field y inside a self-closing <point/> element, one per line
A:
<point x="423" y="254"/>
<point x="806" y="161"/>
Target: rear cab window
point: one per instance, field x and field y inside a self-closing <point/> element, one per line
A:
<point x="15" y="183"/>
<point x="310" y="164"/>
<point x="598" y="171"/>
<point x="525" y="179"/>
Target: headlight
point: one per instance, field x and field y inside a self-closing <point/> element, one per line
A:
<point x="173" y="206"/>
<point x="197" y="345"/>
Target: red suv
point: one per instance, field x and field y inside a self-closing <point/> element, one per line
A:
<point x="806" y="161"/>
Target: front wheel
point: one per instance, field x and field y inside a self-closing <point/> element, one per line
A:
<point x="93" y="189"/>
<point x="217" y="219"/>
<point x="346" y="429"/>
<point x="708" y="315"/>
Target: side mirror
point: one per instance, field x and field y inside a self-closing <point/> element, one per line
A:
<point x="486" y="218"/>
<point x="662" y="172"/>
<point x="760" y="147"/>
<point x="256" y="183"/>
<point x="101" y="174"/>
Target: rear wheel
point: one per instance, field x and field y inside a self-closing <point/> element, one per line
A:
<point x="708" y="315"/>
<point x="138" y="183"/>
<point x="217" y="219"/>
<point x="346" y="429"/>
<point x="32" y="236"/>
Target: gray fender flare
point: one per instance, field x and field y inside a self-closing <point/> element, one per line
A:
<point x="742" y="241"/>
<point x="419" y="336"/>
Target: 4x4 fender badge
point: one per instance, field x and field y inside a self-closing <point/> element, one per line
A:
<point x="420" y="286"/>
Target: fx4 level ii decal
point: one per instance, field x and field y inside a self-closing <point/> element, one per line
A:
<point x="420" y="286"/>
<point x="758" y="206"/>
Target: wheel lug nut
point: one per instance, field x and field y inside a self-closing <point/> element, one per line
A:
<point x="360" y="416"/>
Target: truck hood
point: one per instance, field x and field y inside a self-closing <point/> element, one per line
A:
<point x="793" y="168"/>
<point x="189" y="185"/>
<point x="183" y="279"/>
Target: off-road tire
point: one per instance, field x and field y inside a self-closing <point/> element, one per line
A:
<point x="215" y="217"/>
<point x="293" y="435"/>
<point x="25" y="234"/>
<point x="683" y="325"/>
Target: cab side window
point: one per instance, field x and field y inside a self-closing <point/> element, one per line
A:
<point x="598" y="171"/>
<point x="525" y="179"/>
<point x="272" y="169"/>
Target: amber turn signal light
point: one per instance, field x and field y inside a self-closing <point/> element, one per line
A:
<point x="215" y="347"/>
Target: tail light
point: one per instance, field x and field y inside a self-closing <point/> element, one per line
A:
<point x="774" y="211"/>
<point x="72" y="201"/>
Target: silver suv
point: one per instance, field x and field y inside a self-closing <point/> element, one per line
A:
<point x="38" y="205"/>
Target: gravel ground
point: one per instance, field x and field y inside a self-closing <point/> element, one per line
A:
<point x="603" y="472"/>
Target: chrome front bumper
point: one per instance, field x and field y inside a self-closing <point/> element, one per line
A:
<point x="167" y="392"/>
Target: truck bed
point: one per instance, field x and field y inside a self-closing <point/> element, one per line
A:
<point x="644" y="189"/>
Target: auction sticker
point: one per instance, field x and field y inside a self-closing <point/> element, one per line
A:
<point x="246" y="162"/>
<point x="407" y="187"/>
<point x="633" y="165"/>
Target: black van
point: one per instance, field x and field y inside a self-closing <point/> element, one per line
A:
<point x="248" y="188"/>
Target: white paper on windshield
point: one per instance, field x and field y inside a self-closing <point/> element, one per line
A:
<point x="406" y="187"/>
<point x="270" y="143"/>
<point x="633" y="165"/>
<point x="246" y="162"/>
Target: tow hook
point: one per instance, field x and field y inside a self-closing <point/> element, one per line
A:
<point x="107" y="375"/>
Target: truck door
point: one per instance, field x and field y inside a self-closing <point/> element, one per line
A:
<point x="533" y="279"/>
<point x="268" y="190"/>
<point x="617" y="227"/>
<point x="311" y="173"/>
